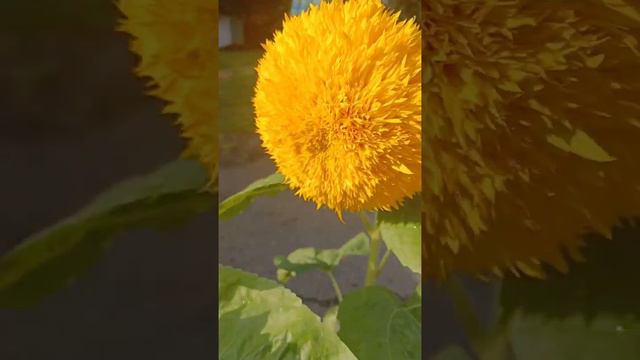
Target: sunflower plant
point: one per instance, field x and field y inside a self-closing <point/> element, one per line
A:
<point x="350" y="143"/>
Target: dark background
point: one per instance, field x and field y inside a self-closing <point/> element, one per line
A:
<point x="74" y="121"/>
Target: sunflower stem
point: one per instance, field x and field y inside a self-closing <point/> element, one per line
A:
<point x="383" y="262"/>
<point x="335" y="285"/>
<point x="373" y="269"/>
<point x="366" y="222"/>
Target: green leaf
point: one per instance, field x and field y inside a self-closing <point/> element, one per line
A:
<point x="375" y="324"/>
<point x="330" y="318"/>
<point x="357" y="245"/>
<point x="574" y="338"/>
<point x="237" y="203"/>
<point x="260" y="319"/>
<point x="592" y="312"/>
<point x="604" y="283"/>
<point x="452" y="352"/>
<point x="401" y="232"/>
<point x="51" y="259"/>
<point x="414" y="303"/>
<point x="306" y="259"/>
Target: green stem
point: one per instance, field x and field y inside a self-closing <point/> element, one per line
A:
<point x="374" y="250"/>
<point x="383" y="262"/>
<point x="372" y="268"/>
<point x="335" y="285"/>
<point x="365" y="222"/>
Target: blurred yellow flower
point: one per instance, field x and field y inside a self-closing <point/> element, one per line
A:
<point x="531" y="130"/>
<point x="177" y="47"/>
<point x="338" y="105"/>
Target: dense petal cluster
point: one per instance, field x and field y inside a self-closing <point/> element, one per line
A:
<point x="531" y="130"/>
<point x="338" y="105"/>
<point x="177" y="48"/>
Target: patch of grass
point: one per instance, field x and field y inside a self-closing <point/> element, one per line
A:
<point x="236" y="82"/>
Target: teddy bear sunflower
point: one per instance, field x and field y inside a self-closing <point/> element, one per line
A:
<point x="531" y="126"/>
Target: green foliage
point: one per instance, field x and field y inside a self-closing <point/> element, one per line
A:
<point x="452" y="352"/>
<point x="375" y="324"/>
<point x="306" y="259"/>
<point x="237" y="78"/>
<point x="401" y="232"/>
<point x="414" y="303"/>
<point x="573" y="338"/>
<point x="330" y="318"/>
<point x="263" y="320"/>
<point x="604" y="283"/>
<point x="237" y="203"/>
<point x="49" y="260"/>
<point x="592" y="312"/>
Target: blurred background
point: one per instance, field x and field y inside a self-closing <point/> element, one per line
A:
<point x="75" y="120"/>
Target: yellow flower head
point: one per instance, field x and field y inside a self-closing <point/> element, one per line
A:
<point x="532" y="124"/>
<point x="177" y="46"/>
<point x="338" y="105"/>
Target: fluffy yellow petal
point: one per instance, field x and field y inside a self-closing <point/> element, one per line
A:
<point x="531" y="130"/>
<point x="177" y="48"/>
<point x="338" y="105"/>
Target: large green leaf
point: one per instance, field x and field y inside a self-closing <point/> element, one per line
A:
<point x="452" y="352"/>
<point x="592" y="312"/>
<point x="375" y="324"/>
<point x="302" y="260"/>
<point x="574" y="338"/>
<point x="237" y="203"/>
<point x="533" y="337"/>
<point x="414" y="303"/>
<point x="606" y="282"/>
<point x="330" y="318"/>
<point x="401" y="232"/>
<point x="49" y="260"/>
<point x="259" y="319"/>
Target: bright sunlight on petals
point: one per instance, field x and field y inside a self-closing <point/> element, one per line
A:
<point x="338" y="105"/>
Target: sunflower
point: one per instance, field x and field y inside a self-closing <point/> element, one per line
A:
<point x="338" y="105"/>
<point x="177" y="47"/>
<point x="531" y="130"/>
